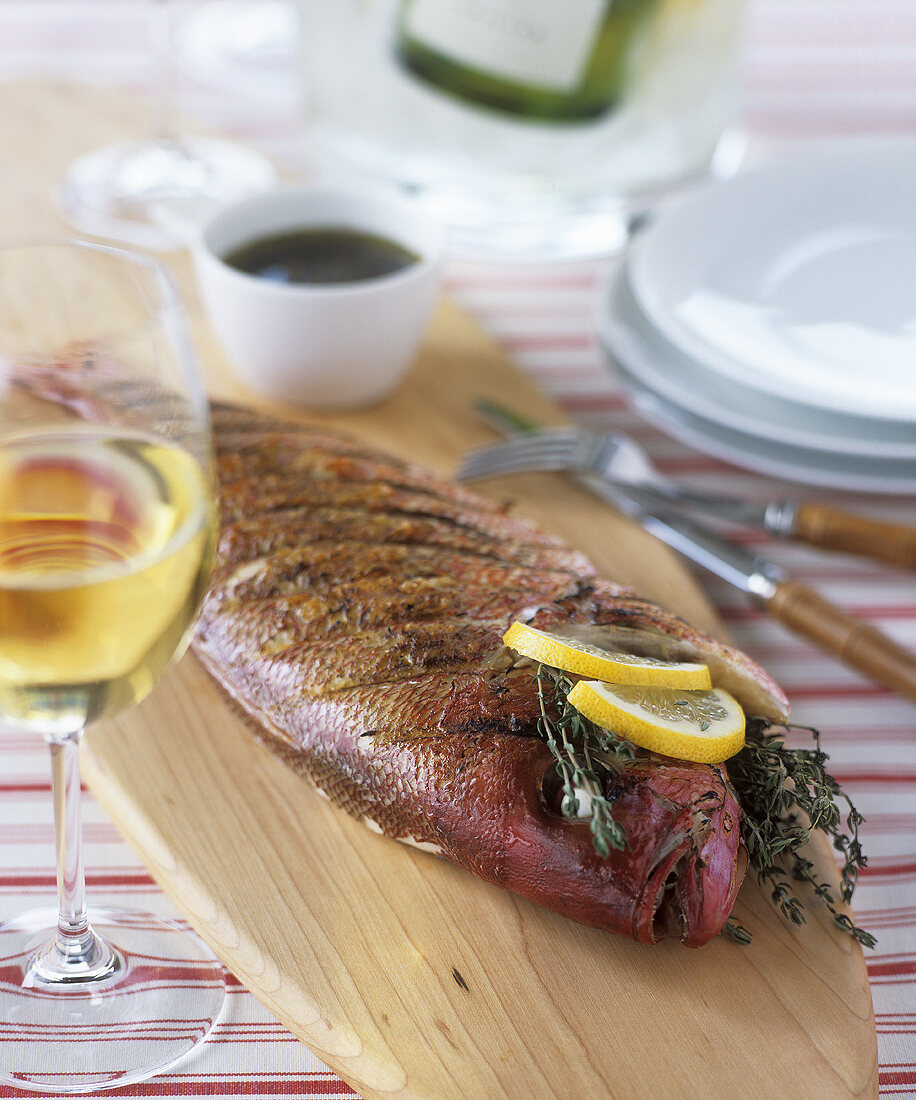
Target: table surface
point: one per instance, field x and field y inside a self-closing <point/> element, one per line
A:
<point x="813" y="68"/>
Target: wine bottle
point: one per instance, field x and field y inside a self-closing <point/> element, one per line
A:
<point x="551" y="60"/>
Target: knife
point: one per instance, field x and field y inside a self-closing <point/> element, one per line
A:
<point x="795" y="605"/>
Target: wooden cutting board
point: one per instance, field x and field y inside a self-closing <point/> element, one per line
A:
<point x="408" y="976"/>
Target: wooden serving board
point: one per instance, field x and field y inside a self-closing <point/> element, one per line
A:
<point x="407" y="975"/>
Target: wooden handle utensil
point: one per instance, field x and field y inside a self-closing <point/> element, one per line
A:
<point x="856" y="643"/>
<point x="833" y="529"/>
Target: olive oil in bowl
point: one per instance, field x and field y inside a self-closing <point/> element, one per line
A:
<point x="322" y="255"/>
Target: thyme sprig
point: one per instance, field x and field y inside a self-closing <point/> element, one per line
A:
<point x="573" y="740"/>
<point x="735" y="931"/>
<point x="785" y="794"/>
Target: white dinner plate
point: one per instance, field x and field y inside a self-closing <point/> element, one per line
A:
<point x="700" y="390"/>
<point x="797" y="279"/>
<point x="629" y="347"/>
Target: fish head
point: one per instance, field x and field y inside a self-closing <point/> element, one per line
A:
<point x="684" y="860"/>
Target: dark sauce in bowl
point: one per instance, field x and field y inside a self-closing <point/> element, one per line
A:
<point x="325" y="255"/>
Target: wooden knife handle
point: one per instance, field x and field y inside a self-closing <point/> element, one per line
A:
<point x="836" y="530"/>
<point x="856" y="643"/>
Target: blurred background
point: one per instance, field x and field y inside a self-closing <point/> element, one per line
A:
<point x="810" y="67"/>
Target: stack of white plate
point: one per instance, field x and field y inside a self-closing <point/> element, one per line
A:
<point x="771" y="320"/>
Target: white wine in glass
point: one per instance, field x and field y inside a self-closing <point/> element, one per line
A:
<point x="106" y="537"/>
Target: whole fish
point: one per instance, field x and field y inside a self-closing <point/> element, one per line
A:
<point x="356" y="615"/>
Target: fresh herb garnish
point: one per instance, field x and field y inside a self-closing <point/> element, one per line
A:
<point x="734" y="931"/>
<point x="785" y="794"/>
<point x="573" y="739"/>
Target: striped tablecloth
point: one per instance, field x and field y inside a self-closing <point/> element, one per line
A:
<point x="813" y="68"/>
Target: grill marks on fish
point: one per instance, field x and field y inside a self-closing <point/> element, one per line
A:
<point x="244" y="498"/>
<point x="382" y="601"/>
<point x="289" y="527"/>
<point x="227" y="419"/>
<point x="311" y="568"/>
<point x="343" y="611"/>
<point x="323" y="466"/>
<point x="356" y="614"/>
<point x="235" y="449"/>
<point x="412" y="580"/>
<point x="396" y="652"/>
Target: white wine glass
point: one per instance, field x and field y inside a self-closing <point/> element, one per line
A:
<point x="106" y="537"/>
<point x="116" y="191"/>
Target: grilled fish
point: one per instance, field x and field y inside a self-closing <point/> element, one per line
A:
<point x="356" y="613"/>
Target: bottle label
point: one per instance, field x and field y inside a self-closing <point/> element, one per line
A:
<point x="546" y="43"/>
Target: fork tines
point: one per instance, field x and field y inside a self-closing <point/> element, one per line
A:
<point x="553" y="449"/>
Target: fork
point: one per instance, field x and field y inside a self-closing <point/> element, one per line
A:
<point x="617" y="458"/>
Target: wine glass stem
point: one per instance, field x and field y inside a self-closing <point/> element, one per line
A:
<point x="72" y="923"/>
<point x="166" y="121"/>
<point x="76" y="953"/>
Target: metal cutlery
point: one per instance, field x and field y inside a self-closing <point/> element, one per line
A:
<point x="617" y="458"/>
<point x="797" y="606"/>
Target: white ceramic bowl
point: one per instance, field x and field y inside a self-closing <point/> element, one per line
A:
<point x="326" y="346"/>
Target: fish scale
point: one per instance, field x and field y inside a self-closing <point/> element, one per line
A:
<point x="402" y="651"/>
<point x="465" y="700"/>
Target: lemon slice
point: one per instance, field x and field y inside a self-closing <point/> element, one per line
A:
<point x="704" y="726"/>
<point x="584" y="659"/>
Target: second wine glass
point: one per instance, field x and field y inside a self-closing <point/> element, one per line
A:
<point x="114" y="191"/>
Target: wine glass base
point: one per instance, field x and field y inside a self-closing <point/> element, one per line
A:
<point x="159" y="1005"/>
<point x="114" y="192"/>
